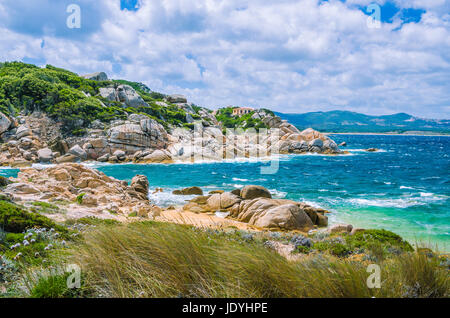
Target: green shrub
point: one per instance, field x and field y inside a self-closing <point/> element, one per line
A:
<point x="53" y="286"/>
<point x="80" y="198"/>
<point x="45" y="207"/>
<point x="225" y="115"/>
<point x="16" y="219"/>
<point x="91" y="220"/>
<point x="302" y="249"/>
<point x="367" y="238"/>
<point x="4" y="181"/>
<point x="340" y="250"/>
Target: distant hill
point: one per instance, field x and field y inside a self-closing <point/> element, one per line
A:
<point x="346" y="121"/>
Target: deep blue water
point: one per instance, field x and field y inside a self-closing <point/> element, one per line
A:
<point x="404" y="188"/>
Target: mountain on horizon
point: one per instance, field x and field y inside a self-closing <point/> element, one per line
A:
<point x="346" y="122"/>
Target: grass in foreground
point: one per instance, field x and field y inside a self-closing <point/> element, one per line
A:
<point x="149" y="259"/>
<point x="152" y="259"/>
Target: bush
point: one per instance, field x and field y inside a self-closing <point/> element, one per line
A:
<point x="370" y="238"/>
<point x="53" y="286"/>
<point x="225" y="115"/>
<point x="80" y="198"/>
<point x="16" y="219"/>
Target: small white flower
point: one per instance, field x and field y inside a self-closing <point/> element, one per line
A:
<point x="26" y="243"/>
<point x="17" y="256"/>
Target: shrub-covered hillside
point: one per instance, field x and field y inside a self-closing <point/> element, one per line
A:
<point x="74" y="100"/>
<point x="225" y="116"/>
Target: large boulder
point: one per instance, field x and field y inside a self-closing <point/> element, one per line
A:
<point x="189" y="191"/>
<point x="250" y="192"/>
<point x="157" y="156"/>
<point x="132" y="137"/>
<point x="78" y="152"/>
<point x="98" y="142"/>
<point x="272" y="213"/>
<point x="316" y="143"/>
<point x="287" y="216"/>
<point x="5" y="123"/>
<point x="45" y="155"/>
<point x="98" y="76"/>
<point x="264" y="212"/>
<point x="140" y="183"/>
<point x="67" y="158"/>
<point x="21" y="188"/>
<point x="22" y="131"/>
<point x="124" y="94"/>
<point x="228" y="199"/>
<point x="176" y="98"/>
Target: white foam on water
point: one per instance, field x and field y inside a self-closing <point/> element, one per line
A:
<point x="277" y="194"/>
<point x="405" y="187"/>
<point x="166" y="198"/>
<point x="222" y="214"/>
<point x="311" y="203"/>
<point x="239" y="179"/>
<point x="423" y="199"/>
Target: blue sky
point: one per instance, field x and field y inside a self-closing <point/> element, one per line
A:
<point x="288" y="55"/>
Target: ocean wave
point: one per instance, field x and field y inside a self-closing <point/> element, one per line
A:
<point x="423" y="199"/>
<point x="239" y="179"/>
<point x="278" y="194"/>
<point x="166" y="198"/>
<point x="365" y="150"/>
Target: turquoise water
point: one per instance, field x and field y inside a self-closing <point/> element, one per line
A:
<point x="404" y="188"/>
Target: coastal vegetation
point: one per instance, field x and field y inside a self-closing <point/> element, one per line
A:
<point x="156" y="259"/>
<point x="225" y="116"/>
<point x="74" y="100"/>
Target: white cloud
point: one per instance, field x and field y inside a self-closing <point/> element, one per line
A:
<point x="290" y="55"/>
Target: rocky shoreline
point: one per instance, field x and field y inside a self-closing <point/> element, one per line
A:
<point x="76" y="191"/>
<point x="37" y="137"/>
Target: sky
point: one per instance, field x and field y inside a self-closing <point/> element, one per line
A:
<point x="291" y="56"/>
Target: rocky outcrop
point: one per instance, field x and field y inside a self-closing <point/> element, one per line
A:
<point x="140" y="184"/>
<point x="176" y="98"/>
<point x="155" y="156"/>
<point x="261" y="211"/>
<point x="78" y="152"/>
<point x="144" y="140"/>
<point x="98" y="76"/>
<point x="81" y="186"/>
<point x="139" y="133"/>
<point x="250" y="192"/>
<point x="45" y="155"/>
<point x="124" y="94"/>
<point x="189" y="191"/>
<point x="5" y="123"/>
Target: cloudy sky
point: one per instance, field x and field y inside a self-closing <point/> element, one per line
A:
<point x="288" y="55"/>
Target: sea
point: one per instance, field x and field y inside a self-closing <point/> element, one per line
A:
<point x="404" y="187"/>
